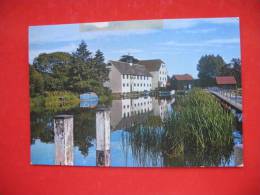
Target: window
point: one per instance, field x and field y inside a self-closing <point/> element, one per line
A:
<point x="141" y="84"/>
<point x="127" y="84"/>
<point x="123" y="84"/>
<point x="138" y="84"/>
<point x="124" y="106"/>
<point x="137" y="77"/>
<point x="134" y="84"/>
<point x="127" y="106"/>
<point x="123" y="76"/>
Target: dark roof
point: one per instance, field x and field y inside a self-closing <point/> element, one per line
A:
<point x="182" y="77"/>
<point x="226" y="80"/>
<point x="126" y="68"/>
<point x="151" y="65"/>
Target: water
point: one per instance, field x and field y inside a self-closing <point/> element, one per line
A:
<point x="134" y="138"/>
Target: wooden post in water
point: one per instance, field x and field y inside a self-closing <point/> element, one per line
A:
<point x="63" y="138"/>
<point x="238" y="154"/>
<point x="103" y="137"/>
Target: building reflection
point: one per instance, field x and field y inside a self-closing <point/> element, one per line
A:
<point x="126" y="113"/>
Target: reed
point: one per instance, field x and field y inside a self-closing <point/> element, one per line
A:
<point x="198" y="123"/>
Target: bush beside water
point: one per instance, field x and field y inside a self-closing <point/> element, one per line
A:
<point x="55" y="101"/>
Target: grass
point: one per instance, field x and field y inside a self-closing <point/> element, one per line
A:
<point x="198" y="123"/>
<point x="198" y="133"/>
<point x="55" y="101"/>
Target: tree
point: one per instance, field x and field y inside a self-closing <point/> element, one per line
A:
<point x="209" y="67"/>
<point x="77" y="72"/>
<point x="54" y="68"/>
<point x="236" y="63"/>
<point x="129" y="59"/>
<point x="52" y="62"/>
<point x="82" y="52"/>
<point x="100" y="67"/>
<point x="36" y="82"/>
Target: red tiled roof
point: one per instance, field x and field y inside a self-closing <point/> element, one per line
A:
<point x="182" y="77"/>
<point x="226" y="80"/>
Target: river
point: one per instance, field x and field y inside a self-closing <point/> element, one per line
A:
<point x="130" y="144"/>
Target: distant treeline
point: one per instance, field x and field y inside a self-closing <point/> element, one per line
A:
<point x="78" y="72"/>
<point x="210" y="66"/>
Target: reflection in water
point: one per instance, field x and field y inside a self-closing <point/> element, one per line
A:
<point x="130" y="134"/>
<point x="63" y="138"/>
<point x="103" y="137"/>
<point x="126" y="113"/>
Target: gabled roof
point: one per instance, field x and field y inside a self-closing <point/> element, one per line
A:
<point x="151" y="65"/>
<point x="182" y="77"/>
<point x="226" y="80"/>
<point x="126" y="68"/>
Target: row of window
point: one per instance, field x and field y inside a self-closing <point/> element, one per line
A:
<point x="126" y="76"/>
<point x="162" y="78"/>
<point x="149" y="102"/>
<point x="162" y="72"/>
<point x="127" y="114"/>
<point x="147" y="85"/>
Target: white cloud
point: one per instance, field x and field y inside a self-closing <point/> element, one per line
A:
<point x="224" y="41"/>
<point x="198" y="31"/>
<point x="126" y="51"/>
<point x="231" y="20"/>
<point x="211" y="42"/>
<point x="89" y="31"/>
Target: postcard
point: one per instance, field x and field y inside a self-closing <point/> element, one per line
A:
<point x="140" y="93"/>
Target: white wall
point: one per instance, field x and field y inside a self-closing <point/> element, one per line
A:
<point x="132" y="83"/>
<point x="162" y="76"/>
<point x="125" y="108"/>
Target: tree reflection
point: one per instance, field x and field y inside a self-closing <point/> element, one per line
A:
<point x="84" y="127"/>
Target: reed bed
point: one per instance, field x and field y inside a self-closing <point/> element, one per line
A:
<point x="199" y="125"/>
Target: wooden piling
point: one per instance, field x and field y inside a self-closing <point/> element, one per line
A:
<point x="103" y="137"/>
<point x="238" y="154"/>
<point x="63" y="138"/>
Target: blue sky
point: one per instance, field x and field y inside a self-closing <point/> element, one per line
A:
<point x="178" y="42"/>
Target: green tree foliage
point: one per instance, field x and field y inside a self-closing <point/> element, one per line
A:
<point x="209" y="67"/>
<point x="77" y="72"/>
<point x="55" y="63"/>
<point x="37" y="82"/>
<point x="82" y="53"/>
<point x="128" y="58"/>
<point x="233" y="69"/>
<point x="54" y="69"/>
<point x="100" y="65"/>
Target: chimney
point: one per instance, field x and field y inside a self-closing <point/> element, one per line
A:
<point x="130" y="61"/>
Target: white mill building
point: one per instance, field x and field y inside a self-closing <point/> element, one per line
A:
<point x="147" y="75"/>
